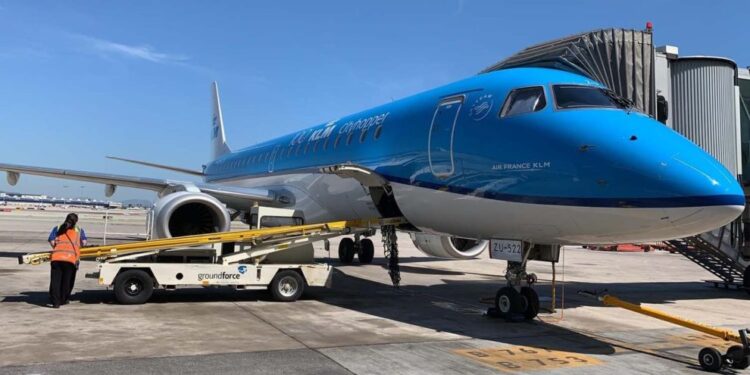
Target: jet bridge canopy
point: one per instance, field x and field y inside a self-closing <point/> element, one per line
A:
<point x="621" y="59"/>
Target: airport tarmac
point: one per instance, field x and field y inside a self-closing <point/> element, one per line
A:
<point x="433" y="324"/>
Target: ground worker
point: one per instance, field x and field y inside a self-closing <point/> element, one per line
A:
<point x="66" y="240"/>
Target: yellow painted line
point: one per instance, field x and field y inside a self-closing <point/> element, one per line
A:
<point x="527" y="358"/>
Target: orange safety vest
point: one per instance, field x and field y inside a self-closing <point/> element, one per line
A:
<point x="67" y="246"/>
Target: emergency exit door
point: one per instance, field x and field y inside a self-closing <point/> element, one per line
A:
<point x="440" y="143"/>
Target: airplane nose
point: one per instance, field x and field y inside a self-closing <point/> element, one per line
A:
<point x="711" y="193"/>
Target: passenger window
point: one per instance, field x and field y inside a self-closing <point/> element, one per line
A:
<point x="349" y="138"/>
<point x="325" y="143"/>
<point x="315" y="146"/>
<point x="336" y="141"/>
<point x="525" y="100"/>
<point x="363" y="135"/>
<point x="378" y="130"/>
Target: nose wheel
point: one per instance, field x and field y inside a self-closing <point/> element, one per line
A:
<point x="516" y="302"/>
<point x="515" y="305"/>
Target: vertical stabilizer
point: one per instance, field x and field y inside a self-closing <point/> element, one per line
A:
<point x="218" y="139"/>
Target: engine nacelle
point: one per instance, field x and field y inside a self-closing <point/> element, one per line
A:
<point x="448" y="247"/>
<point x="185" y="213"/>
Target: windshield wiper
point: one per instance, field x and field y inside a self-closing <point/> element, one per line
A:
<point x="624" y="102"/>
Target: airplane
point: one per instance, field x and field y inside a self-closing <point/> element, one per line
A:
<point x="533" y="154"/>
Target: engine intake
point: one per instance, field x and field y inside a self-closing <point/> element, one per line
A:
<point x="448" y="247"/>
<point x="186" y="213"/>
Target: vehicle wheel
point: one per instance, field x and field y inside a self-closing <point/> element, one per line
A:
<point x="737" y="355"/>
<point x="710" y="359"/>
<point x="346" y="250"/>
<point x="508" y="301"/>
<point x="532" y="302"/>
<point x="746" y="279"/>
<point x="287" y="286"/>
<point x="133" y="287"/>
<point x="366" y="251"/>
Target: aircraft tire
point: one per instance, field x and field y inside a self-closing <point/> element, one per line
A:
<point x="746" y="280"/>
<point x="508" y="302"/>
<point x="366" y="251"/>
<point x="346" y="250"/>
<point x="133" y="287"/>
<point x="532" y="303"/>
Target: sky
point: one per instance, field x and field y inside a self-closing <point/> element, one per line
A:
<point x="80" y="80"/>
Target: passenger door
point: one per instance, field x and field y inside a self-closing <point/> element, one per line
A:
<point x="440" y="142"/>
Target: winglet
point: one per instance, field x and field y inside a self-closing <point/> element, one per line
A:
<point x="218" y="138"/>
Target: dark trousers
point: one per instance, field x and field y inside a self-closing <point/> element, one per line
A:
<point x="62" y="278"/>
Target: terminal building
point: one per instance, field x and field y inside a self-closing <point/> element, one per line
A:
<point x="41" y="201"/>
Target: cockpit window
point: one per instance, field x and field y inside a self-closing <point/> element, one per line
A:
<point x="577" y="96"/>
<point x="525" y="100"/>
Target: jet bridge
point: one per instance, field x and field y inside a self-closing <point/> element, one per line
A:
<point x="621" y="59"/>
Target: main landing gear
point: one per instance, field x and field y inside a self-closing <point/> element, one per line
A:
<point x="365" y="250"/>
<point x="516" y="302"/>
<point x="362" y="247"/>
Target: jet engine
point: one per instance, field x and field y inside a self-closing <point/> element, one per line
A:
<point x="186" y="213"/>
<point x="448" y="247"/>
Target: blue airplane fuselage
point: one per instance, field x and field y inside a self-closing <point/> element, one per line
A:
<point x="457" y="167"/>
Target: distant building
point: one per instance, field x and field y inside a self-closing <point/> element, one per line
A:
<point x="45" y="200"/>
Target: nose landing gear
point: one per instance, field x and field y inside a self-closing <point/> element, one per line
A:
<point x="515" y="302"/>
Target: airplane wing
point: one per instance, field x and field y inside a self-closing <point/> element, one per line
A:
<point x="230" y="195"/>
<point x="160" y="166"/>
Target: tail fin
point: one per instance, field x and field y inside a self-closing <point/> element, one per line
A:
<point x="218" y="139"/>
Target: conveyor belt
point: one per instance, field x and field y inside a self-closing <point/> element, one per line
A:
<point x="342" y="227"/>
